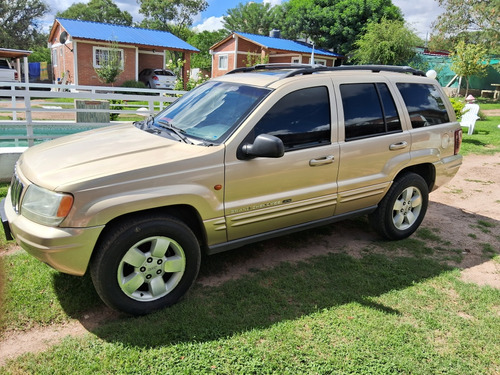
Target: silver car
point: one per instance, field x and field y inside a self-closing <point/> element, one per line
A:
<point x="158" y="78"/>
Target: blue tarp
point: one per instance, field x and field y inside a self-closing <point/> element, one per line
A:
<point x="34" y="70"/>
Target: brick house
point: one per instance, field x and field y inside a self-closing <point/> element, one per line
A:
<point x="237" y="49"/>
<point x="79" y="46"/>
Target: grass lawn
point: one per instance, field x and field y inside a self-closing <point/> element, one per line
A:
<point x="486" y="137"/>
<point x="485" y="140"/>
<point x="330" y="314"/>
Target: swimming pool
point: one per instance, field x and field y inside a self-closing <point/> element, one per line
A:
<point x="10" y="134"/>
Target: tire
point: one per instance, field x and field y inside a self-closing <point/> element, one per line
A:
<point x="145" y="264"/>
<point x="403" y="208"/>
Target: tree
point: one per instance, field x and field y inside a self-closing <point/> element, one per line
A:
<point x="468" y="60"/>
<point x="387" y="43"/>
<point x="20" y="23"/>
<point x="39" y="53"/>
<point x="254" y="18"/>
<point x="203" y="41"/>
<point x="334" y="24"/>
<point x="105" y="11"/>
<point x="466" y="19"/>
<point x="110" y="64"/>
<point x="169" y="15"/>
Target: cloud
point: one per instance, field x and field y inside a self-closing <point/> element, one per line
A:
<point x="273" y="2"/>
<point x="420" y="14"/>
<point x="210" y="24"/>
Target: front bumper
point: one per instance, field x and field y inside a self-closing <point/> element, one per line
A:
<point x="66" y="249"/>
<point x="5" y="222"/>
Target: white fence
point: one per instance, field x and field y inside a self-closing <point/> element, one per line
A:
<point x="25" y="108"/>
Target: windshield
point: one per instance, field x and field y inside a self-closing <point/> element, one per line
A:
<point x="211" y="111"/>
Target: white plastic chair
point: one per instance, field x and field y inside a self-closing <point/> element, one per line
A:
<point x="469" y="117"/>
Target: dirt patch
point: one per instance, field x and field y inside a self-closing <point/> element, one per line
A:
<point x="475" y="188"/>
<point x="491" y="112"/>
<point x="483" y="274"/>
<point x="465" y="213"/>
<point x="15" y="344"/>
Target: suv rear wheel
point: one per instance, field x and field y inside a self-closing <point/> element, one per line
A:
<point x="145" y="264"/>
<point x="403" y="208"/>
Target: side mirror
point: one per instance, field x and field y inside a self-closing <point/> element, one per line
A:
<point x="265" y="145"/>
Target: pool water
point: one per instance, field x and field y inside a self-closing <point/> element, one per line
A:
<point x="10" y="134"/>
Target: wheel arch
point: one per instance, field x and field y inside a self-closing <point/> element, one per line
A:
<point x="184" y="213"/>
<point x="427" y="171"/>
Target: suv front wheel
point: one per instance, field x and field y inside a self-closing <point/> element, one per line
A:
<point x="145" y="264"/>
<point x="403" y="208"/>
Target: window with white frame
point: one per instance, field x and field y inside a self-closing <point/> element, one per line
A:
<point x="103" y="55"/>
<point x="319" y="62"/>
<point x="223" y="62"/>
<point x="54" y="57"/>
<point x="296" y="60"/>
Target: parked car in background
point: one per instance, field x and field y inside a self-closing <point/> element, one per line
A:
<point x="7" y="72"/>
<point x="158" y="78"/>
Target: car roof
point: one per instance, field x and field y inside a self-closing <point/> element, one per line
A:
<point x="267" y="74"/>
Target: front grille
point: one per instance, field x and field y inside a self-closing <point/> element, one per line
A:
<point x="16" y="190"/>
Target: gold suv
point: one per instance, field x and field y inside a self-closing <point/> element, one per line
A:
<point x="254" y="154"/>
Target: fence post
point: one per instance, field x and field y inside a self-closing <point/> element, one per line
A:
<point x="13" y="101"/>
<point x="29" y="117"/>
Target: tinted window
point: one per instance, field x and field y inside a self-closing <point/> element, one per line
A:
<point x="425" y="104"/>
<point x="161" y="72"/>
<point x="368" y="110"/>
<point x="299" y="119"/>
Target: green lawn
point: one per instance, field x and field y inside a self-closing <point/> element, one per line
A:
<point x="330" y="314"/>
<point x="485" y="140"/>
<point x="405" y="312"/>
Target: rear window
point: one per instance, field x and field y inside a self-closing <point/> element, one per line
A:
<point x="4" y="64"/>
<point x="424" y="103"/>
<point x="164" y="73"/>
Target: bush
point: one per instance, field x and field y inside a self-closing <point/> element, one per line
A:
<point x="134" y="84"/>
<point x="458" y="106"/>
<point x="115" y="104"/>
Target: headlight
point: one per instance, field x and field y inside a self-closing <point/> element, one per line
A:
<point x="44" y="206"/>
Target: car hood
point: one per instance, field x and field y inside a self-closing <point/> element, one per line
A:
<point x="99" y="154"/>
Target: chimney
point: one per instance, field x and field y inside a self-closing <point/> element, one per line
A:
<point x="275" y="34"/>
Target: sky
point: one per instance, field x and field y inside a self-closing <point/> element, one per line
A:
<point x="418" y="13"/>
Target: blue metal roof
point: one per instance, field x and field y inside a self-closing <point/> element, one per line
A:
<point x="286" y="44"/>
<point x="123" y="34"/>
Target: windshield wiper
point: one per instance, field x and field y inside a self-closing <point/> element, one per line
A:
<point x="145" y="124"/>
<point x="177" y="131"/>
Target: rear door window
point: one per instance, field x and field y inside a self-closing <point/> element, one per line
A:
<point x="369" y="110"/>
<point x="424" y="103"/>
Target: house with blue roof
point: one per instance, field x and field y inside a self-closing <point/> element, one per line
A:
<point x="242" y="49"/>
<point x="78" y="47"/>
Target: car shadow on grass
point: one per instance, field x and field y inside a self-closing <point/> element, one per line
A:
<point x="296" y="286"/>
<point x="264" y="298"/>
<point x="286" y="292"/>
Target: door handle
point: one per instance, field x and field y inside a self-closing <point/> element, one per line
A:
<point x="398" y="146"/>
<point x="321" y="161"/>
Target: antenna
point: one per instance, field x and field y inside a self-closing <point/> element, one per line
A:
<point x="63" y="38"/>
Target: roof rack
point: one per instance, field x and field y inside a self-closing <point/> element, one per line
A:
<point x="297" y="69"/>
